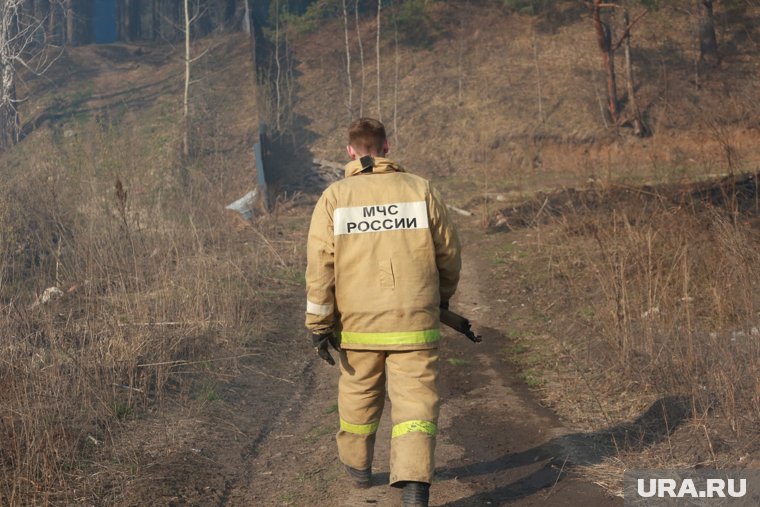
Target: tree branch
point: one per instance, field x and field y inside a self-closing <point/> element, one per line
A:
<point x="193" y="60"/>
<point x="628" y="28"/>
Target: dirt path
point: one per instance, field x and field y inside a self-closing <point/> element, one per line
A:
<point x="269" y="439"/>
<point x="496" y="446"/>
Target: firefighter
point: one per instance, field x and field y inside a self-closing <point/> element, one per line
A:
<point x="383" y="258"/>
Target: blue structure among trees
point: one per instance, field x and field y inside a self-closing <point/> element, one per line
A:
<point x="104" y="21"/>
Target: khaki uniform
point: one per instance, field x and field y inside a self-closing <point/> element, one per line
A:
<point x="382" y="254"/>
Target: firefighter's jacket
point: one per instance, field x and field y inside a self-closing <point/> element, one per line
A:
<point x="382" y="255"/>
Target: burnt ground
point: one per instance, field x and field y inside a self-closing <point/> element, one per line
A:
<point x="734" y="193"/>
<point x="268" y="439"/>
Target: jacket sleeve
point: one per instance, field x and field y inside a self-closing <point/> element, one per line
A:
<point x="447" y="249"/>
<point x="320" y="274"/>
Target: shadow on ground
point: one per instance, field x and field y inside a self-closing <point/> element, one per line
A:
<point x="565" y="453"/>
<point x="287" y="157"/>
<point x="737" y="194"/>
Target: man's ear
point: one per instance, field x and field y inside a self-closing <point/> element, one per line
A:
<point x="386" y="147"/>
<point x="351" y="152"/>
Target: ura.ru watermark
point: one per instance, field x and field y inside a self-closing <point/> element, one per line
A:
<point x="703" y="487"/>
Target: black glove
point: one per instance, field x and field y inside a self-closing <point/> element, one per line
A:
<point x="444" y="305"/>
<point x="320" y="342"/>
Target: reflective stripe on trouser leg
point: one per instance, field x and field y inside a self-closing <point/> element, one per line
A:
<point x="412" y="385"/>
<point x="361" y="395"/>
<point x="427" y="427"/>
<point x="359" y="429"/>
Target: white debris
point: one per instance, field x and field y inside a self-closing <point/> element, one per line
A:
<point x="50" y="294"/>
<point x="652" y="312"/>
<point x="461" y="211"/>
<point x="245" y="205"/>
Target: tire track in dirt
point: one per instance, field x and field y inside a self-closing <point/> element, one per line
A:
<point x="496" y="445"/>
<point x="201" y="453"/>
<point x="513" y="448"/>
<point x="250" y="452"/>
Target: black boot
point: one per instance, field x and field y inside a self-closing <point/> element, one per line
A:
<point x="416" y="494"/>
<point x="362" y="478"/>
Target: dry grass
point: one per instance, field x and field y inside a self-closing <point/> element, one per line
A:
<point x="679" y="294"/>
<point x="647" y="293"/>
<point x="468" y="107"/>
<point x="154" y="278"/>
<point x="154" y="274"/>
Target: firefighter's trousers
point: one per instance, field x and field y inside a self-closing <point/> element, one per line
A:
<point x="412" y="386"/>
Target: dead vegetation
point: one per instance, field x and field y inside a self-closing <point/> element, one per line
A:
<point x="641" y="294"/>
<point x="634" y="292"/>
<point x="123" y="285"/>
<point x="637" y="283"/>
<point x="470" y="103"/>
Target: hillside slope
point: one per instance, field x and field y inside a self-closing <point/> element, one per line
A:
<point x="174" y="365"/>
<point x="500" y="101"/>
<point x="131" y="301"/>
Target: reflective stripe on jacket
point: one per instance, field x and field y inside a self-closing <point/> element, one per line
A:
<point x="382" y="254"/>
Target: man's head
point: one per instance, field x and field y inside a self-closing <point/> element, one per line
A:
<point x="366" y="136"/>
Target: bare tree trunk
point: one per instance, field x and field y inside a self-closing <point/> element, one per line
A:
<point x="460" y="70"/>
<point x="638" y="123"/>
<point x="396" y="63"/>
<point x="70" y="24"/>
<point x="230" y="15"/>
<point x="694" y="27"/>
<point x="186" y="99"/>
<point x="604" y="39"/>
<point x="278" y="94"/>
<point x="251" y="24"/>
<point x="135" y="19"/>
<point x="348" y="64"/>
<point x="361" y="59"/>
<point x="290" y="86"/>
<point x="708" y="42"/>
<point x="52" y="20"/>
<point x="377" y="51"/>
<point x="154" y="26"/>
<point x="9" y="120"/>
<point x="538" y="78"/>
<point x="246" y="17"/>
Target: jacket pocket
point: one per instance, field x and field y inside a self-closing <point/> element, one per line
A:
<point x="387" y="280"/>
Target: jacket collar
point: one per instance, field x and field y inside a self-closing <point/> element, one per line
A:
<point x="382" y="165"/>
